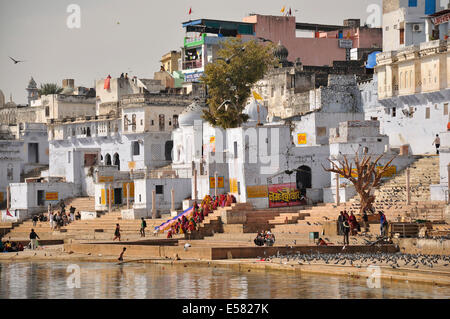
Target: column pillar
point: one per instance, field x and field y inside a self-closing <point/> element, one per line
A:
<point x="154" y="204"/>
<point x="8" y="197"/>
<point x="448" y="183"/>
<point x="172" y="199"/>
<point x="408" y="187"/>
<point x="109" y="198"/>
<point x="195" y="184"/>
<point x="338" y="197"/>
<point x="128" y="195"/>
<point x="215" y="184"/>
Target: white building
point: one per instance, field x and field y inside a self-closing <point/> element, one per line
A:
<point x="24" y="152"/>
<point x="404" y="22"/>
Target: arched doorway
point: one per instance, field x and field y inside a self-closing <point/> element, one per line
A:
<point x="304" y="179"/>
<point x="116" y="160"/>
<point x="108" y="160"/>
<point x="168" y="150"/>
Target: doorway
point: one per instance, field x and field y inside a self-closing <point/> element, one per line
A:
<point x="303" y="179"/>
<point x="117" y="196"/>
<point x="33" y="153"/>
<point x="40" y="198"/>
<point x="116" y="161"/>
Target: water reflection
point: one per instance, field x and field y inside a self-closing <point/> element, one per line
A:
<point x="140" y="281"/>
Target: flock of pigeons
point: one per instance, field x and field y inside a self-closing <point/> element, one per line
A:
<point x="359" y="260"/>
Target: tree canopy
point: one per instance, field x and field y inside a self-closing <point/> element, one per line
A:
<point x="230" y="78"/>
<point x="49" y="88"/>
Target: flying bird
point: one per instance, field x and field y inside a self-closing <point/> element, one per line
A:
<point x="16" y="61"/>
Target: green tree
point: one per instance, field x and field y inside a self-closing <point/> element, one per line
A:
<point x="230" y="78"/>
<point x="49" y="88"/>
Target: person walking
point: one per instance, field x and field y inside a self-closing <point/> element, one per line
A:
<point x="121" y="254"/>
<point x="365" y="219"/>
<point x="143" y="226"/>
<point x="33" y="239"/>
<point x="346" y="230"/>
<point x="72" y="213"/>
<point x="437" y="142"/>
<point x="35" y="219"/>
<point x="383" y="224"/>
<point x="117" y="232"/>
<point x="340" y="222"/>
<point x="50" y="218"/>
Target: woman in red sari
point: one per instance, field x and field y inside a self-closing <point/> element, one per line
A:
<point x="353" y="223"/>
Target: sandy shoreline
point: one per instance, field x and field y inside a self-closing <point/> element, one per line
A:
<point x="434" y="277"/>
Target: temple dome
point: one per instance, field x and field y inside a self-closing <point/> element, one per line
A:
<point x="191" y="114"/>
<point x="32" y="84"/>
<point x="281" y="52"/>
<point x="252" y="111"/>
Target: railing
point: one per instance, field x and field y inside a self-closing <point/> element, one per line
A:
<point x="189" y="65"/>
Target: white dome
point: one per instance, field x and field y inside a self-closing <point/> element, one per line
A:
<point x="191" y="114"/>
<point x="252" y="111"/>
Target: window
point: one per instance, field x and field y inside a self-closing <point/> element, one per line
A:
<point x="175" y="121"/>
<point x="10" y="172"/>
<point x="412" y="3"/>
<point x="153" y="122"/>
<point x="133" y="122"/>
<point x="125" y="123"/>
<point x="427" y="113"/>
<point x="68" y="156"/>
<point x="162" y="122"/>
<point x="235" y="150"/>
<point x="47" y="111"/>
<point x="159" y="189"/>
<point x="445" y="108"/>
<point x="136" y="148"/>
<point x="394" y="112"/>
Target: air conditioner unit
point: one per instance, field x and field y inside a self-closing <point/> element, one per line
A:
<point x="417" y="27"/>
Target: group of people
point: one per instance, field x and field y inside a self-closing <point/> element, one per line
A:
<point x="10" y="247"/>
<point x="62" y="218"/>
<point x="266" y="238"/>
<point x="190" y="223"/>
<point x="349" y="225"/>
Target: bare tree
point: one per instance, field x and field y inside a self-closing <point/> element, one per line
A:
<point x="366" y="176"/>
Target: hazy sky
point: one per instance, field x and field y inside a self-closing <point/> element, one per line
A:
<point x="36" y="31"/>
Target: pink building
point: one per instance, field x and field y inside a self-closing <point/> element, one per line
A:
<point x="326" y="44"/>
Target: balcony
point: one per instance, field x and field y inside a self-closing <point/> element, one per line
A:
<point x="190" y="65"/>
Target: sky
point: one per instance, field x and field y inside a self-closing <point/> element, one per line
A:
<point x="118" y="36"/>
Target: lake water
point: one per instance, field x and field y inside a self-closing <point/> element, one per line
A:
<point x="51" y="280"/>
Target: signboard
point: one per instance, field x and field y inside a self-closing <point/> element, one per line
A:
<point x="233" y="185"/>
<point x="51" y="196"/>
<point x="131" y="190"/>
<point x="212" y="143"/>
<point x="193" y="77"/>
<point x="391" y="171"/>
<point x="131" y="165"/>
<point x="258" y="191"/>
<point x="354" y="173"/>
<point x="220" y="182"/>
<point x="441" y="19"/>
<point x="345" y="44"/>
<point x="285" y="195"/>
<point x="106" y="179"/>
<point x="302" y="139"/>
